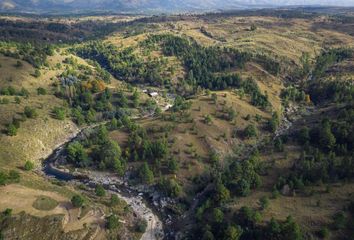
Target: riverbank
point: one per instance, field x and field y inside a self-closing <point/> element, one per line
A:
<point x="110" y="181"/>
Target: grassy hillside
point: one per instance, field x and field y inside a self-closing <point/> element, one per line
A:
<point x="238" y="126"/>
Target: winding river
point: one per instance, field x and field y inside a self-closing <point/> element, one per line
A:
<point x="51" y="168"/>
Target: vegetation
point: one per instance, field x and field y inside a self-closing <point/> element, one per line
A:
<point x="11" y="177"/>
<point x="77" y="201"/>
<point x="241" y="126"/>
<point x="45" y="203"/>
<point x="100" y="191"/>
<point x="29" y="166"/>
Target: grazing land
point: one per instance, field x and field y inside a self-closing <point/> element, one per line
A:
<point x="235" y="125"/>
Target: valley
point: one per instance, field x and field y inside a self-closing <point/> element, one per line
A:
<point x="227" y="125"/>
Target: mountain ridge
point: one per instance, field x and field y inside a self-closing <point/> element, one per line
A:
<point x="46" y="6"/>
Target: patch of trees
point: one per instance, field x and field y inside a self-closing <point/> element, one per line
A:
<point x="258" y="99"/>
<point x="142" y="148"/>
<point x="124" y="63"/>
<point x="170" y="187"/>
<point x="97" y="151"/>
<point x="328" y="58"/>
<point x="202" y="62"/>
<point x="34" y="54"/>
<point x="216" y="221"/>
<point x="11" y="91"/>
<point x="269" y="64"/>
<point x="293" y="94"/>
<point x="328" y="153"/>
<point x="145" y="174"/>
<point x="243" y="176"/>
<point x="86" y="101"/>
<point x="331" y="91"/>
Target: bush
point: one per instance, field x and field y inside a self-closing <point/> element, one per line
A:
<point x="30" y="112"/>
<point x="41" y="91"/>
<point x="114" y="200"/>
<point x="7" y="212"/>
<point x="29" y="166"/>
<point x="324" y="233"/>
<point x="100" y="191"/>
<point x="4" y="101"/>
<point x="37" y="73"/>
<point x="173" y="165"/>
<point x="112" y="222"/>
<point x="145" y="174"/>
<point x="77" y="154"/>
<point x="14" y="176"/>
<point x="250" y="131"/>
<point x="59" y="113"/>
<point x="339" y="220"/>
<point x="11" y="130"/>
<point x="17" y="100"/>
<point x="77" y="201"/>
<point x="233" y="233"/>
<point x="218" y="215"/>
<point x="264" y="202"/>
<point x="18" y="64"/>
<point x="207" y="119"/>
<point x="170" y="187"/>
<point x="141" y="226"/>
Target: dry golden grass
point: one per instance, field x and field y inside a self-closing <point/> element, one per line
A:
<point x="191" y="143"/>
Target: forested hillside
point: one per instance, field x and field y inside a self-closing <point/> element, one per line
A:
<point x="216" y="126"/>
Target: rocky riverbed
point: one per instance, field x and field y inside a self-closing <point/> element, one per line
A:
<point x="110" y="181"/>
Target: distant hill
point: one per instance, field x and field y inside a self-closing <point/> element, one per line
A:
<point x="63" y="6"/>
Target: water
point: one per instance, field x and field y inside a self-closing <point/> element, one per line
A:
<point x="114" y="184"/>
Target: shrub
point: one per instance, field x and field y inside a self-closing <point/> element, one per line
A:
<point x="218" y="215"/>
<point x="18" y="64"/>
<point x="41" y="91"/>
<point x="30" y="112"/>
<point x="250" y="131"/>
<point x="11" y="130"/>
<point x="145" y="174"/>
<point x="173" y="165"/>
<point x="114" y="200"/>
<point x="17" y="100"/>
<point x="29" y="166"/>
<point x="112" y="222"/>
<point x="170" y="187"/>
<point x="264" y="202"/>
<point x="100" y="191"/>
<point x="253" y="27"/>
<point x="37" y="73"/>
<point x="140" y="226"/>
<point x="77" y="154"/>
<point x="4" y="101"/>
<point x="324" y="233"/>
<point x="77" y="201"/>
<point x="59" y="113"/>
<point x="207" y="119"/>
<point x="339" y="220"/>
<point x="233" y="233"/>
<point x="7" y="212"/>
